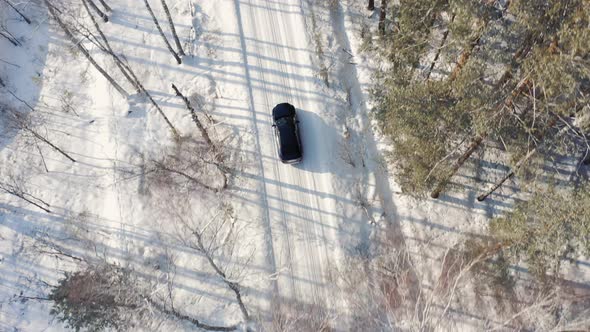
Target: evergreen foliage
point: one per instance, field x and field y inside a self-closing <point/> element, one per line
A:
<point x="416" y="118"/>
<point x="413" y="22"/>
<point x="511" y="76"/>
<point x="551" y="227"/>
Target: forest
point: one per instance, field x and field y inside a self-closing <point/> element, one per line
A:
<point x="506" y="85"/>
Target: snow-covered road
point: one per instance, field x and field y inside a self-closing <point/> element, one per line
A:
<point x="300" y="202"/>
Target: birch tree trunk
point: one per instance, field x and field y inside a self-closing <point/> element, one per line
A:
<point x="108" y="49"/>
<point x="14" y="190"/>
<point x="382" y="16"/>
<point x="98" y="11"/>
<point x="147" y="5"/>
<point x="194" y="116"/>
<point x="18" y="12"/>
<point x="171" y="22"/>
<point x="129" y="74"/>
<point x="23" y="123"/>
<point x="194" y="321"/>
<point x="83" y="49"/>
<point x="234" y="286"/>
<point x="11" y="35"/>
<point x="46" y="141"/>
<point x="105" y="5"/>
<point x="7" y="36"/>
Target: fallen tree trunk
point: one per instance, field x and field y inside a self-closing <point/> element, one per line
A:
<point x="196" y="120"/>
<point x="149" y="8"/>
<point x="18" y="12"/>
<point x="172" y="28"/>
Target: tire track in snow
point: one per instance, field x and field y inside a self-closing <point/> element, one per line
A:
<point x="311" y="258"/>
<point x="296" y="292"/>
<point x="307" y="181"/>
<point x="285" y="249"/>
<point x="270" y="256"/>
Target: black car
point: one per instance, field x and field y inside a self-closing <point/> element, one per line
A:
<point x="285" y="123"/>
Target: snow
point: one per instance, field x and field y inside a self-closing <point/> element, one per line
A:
<point x="296" y="225"/>
<point x="111" y="138"/>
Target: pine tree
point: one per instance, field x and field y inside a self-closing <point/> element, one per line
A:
<point x="514" y="108"/>
<point x="546" y="82"/>
<point x="551" y="227"/>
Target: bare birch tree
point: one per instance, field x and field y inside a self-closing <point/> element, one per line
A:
<point x="23" y="122"/>
<point x="9" y="37"/>
<point x="172" y="28"/>
<point x="128" y="72"/>
<point x="18" y="11"/>
<point x="214" y="239"/>
<point x="4" y="32"/>
<point x="194" y="116"/>
<point x="15" y="188"/>
<point x="187" y="165"/>
<point x="176" y="56"/>
<point x="105" y="5"/>
<point x="82" y="49"/>
<point x="98" y="11"/>
<point x="106" y="47"/>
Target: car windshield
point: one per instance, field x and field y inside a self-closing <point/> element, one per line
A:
<point x="282" y="121"/>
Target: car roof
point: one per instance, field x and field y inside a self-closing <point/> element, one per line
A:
<point x="289" y="143"/>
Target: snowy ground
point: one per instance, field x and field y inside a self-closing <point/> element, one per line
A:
<point x="295" y="227"/>
<point x="243" y="58"/>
